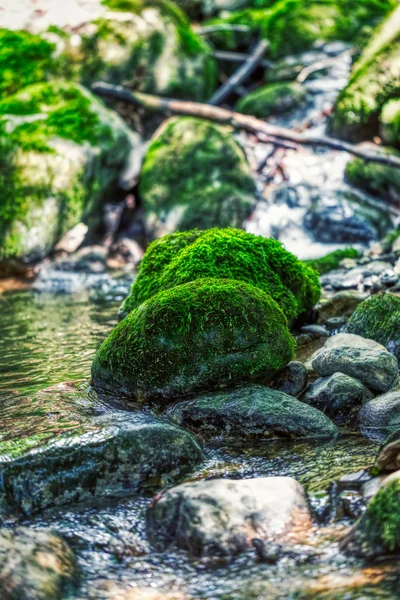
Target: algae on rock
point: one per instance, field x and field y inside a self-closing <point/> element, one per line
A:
<point x="63" y="150"/>
<point x="195" y="174"/>
<point x="228" y="254"/>
<point x="204" y="335"/>
<point x="272" y="100"/>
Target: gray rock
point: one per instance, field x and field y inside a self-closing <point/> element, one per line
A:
<point x="221" y="517"/>
<point x="338" y="396"/>
<point x="335" y="323"/>
<point x="381" y="416"/>
<point x="251" y="411"/>
<point x="341" y="304"/>
<point x="316" y="331"/>
<point x="375" y="368"/>
<point x="35" y="565"/>
<point x="292" y="379"/>
<point x="101" y="453"/>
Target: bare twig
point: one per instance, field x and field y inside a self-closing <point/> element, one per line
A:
<point x="319" y="65"/>
<point x="239" y="57"/>
<point x="222" y="27"/>
<point x="240" y="75"/>
<point x="239" y="121"/>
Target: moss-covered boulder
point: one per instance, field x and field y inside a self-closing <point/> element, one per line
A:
<point x="147" y="45"/>
<point x="273" y="99"/>
<point x="378" y="318"/>
<point x="195" y="174"/>
<point x="377" y="179"/>
<point x="61" y="152"/>
<point x="229" y="254"/>
<point x="293" y="26"/>
<point x="377" y="533"/>
<point x="201" y="336"/>
<point x="375" y="79"/>
<point x="390" y="123"/>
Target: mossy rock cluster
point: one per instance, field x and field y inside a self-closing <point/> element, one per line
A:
<point x="374" y="81"/>
<point x="293" y="26"/>
<point x="377" y="179"/>
<point x="61" y="152"/>
<point x="195" y="174"/>
<point x="272" y="100"/>
<point x="230" y="254"/>
<point x="199" y="336"/>
<point x="378" y="318"/>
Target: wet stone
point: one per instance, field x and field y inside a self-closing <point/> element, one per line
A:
<point x="381" y="416"/>
<point x="292" y="379"/>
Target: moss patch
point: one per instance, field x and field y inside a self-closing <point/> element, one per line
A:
<point x="230" y="254"/>
<point x="381" y="522"/>
<point x="377" y="179"/>
<point x="200" y="336"/>
<point x="390" y="123"/>
<point x="332" y="261"/>
<point x="195" y="174"/>
<point x="377" y="318"/>
<point x="272" y="99"/>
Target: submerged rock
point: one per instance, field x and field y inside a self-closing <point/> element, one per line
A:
<point x="372" y="364"/>
<point x="35" y="565"/>
<point x="251" y="411"/>
<point x="195" y="174"/>
<point x="221" y="517"/>
<point x="203" y="335"/>
<point x="381" y="416"/>
<point x="228" y="254"/>
<point x="62" y="150"/>
<point x="66" y="447"/>
<point x="338" y="396"/>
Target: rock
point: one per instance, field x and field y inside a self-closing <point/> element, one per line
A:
<point x="388" y="458"/>
<point x="203" y="335"/>
<point x="35" y="565"/>
<point x="230" y="254"/>
<point x="71" y="240"/>
<point x="377" y="179"/>
<point x="381" y="416"/>
<point x="341" y="304"/>
<point x="215" y="187"/>
<point x="345" y="217"/>
<point x="378" y="318"/>
<point x="64" y="150"/>
<point x="60" y="448"/>
<point x="273" y="99"/>
<point x="221" y="517"/>
<point x="374" y="80"/>
<point x="349" y="339"/>
<point x="335" y="323"/>
<point x="292" y="379"/>
<point x="377" y="533"/>
<point x="251" y="411"/>
<point x="316" y="331"/>
<point x="376" y="369"/>
<point x="338" y="396"/>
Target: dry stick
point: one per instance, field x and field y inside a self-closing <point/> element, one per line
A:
<point x="240" y="75"/>
<point x="222" y="27"/>
<point x="239" y="57"/>
<point x="237" y="121"/>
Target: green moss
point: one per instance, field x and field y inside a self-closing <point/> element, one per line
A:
<point x="390" y="123"/>
<point x="230" y="254"/>
<point x="198" y="170"/>
<point x="24" y="59"/>
<point x="377" y="318"/>
<point x="332" y="261"/>
<point x="292" y="26"/>
<point x="374" y="80"/>
<point x="382" y="518"/>
<point x="203" y="335"/>
<point x="272" y="100"/>
<point x="377" y="179"/>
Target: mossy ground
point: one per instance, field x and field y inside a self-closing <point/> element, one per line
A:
<point x="272" y="99"/>
<point x="377" y="318"/>
<point x="229" y="254"/>
<point x="199" y="167"/>
<point x="332" y="261"/>
<point x="200" y="336"/>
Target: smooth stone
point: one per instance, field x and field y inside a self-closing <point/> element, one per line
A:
<point x="292" y="379"/>
<point x="341" y="304"/>
<point x="251" y="411"/>
<point x="102" y="453"/>
<point x="335" y="323"/>
<point x="316" y="331"/>
<point x="338" y="396"/>
<point x="35" y="565"/>
<point x="381" y="416"/>
<point x="221" y="517"/>
<point x="376" y="368"/>
<point x="388" y="458"/>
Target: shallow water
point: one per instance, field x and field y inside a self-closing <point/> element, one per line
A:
<point x="47" y="339"/>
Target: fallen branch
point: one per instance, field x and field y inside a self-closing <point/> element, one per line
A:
<point x="222" y="27"/>
<point x="240" y="75"/>
<point x="238" y="121"/>
<point x="239" y="57"/>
